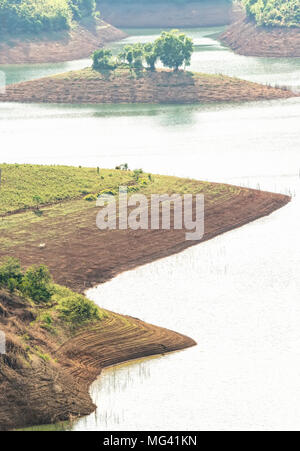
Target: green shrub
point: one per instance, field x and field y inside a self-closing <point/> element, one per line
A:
<point x="10" y="273"/>
<point x="133" y="189"/>
<point x="108" y="192"/>
<point x="137" y="173"/>
<point x="46" y="318"/>
<point x="90" y="198"/>
<point x="82" y="8"/>
<point x="76" y="309"/>
<point x="103" y="60"/>
<point x="36" y="284"/>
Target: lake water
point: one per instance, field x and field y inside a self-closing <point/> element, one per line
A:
<point x="237" y="295"/>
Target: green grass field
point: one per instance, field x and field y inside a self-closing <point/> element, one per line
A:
<point x="21" y="184"/>
<point x="26" y="187"/>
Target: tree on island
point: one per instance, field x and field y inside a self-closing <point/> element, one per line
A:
<point x="132" y="55"/>
<point x="151" y="55"/>
<point x="172" y="48"/>
<point x="103" y="60"/>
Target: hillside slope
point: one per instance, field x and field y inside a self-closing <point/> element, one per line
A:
<point x="247" y="38"/>
<point x="166" y="13"/>
<point x="77" y="43"/>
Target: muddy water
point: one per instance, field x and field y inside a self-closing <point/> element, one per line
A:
<point x="237" y="295"/>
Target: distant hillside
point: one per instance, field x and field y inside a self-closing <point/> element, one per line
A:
<point x="269" y="28"/>
<point x="35" y="16"/>
<point x="165" y="13"/>
<point x="38" y="31"/>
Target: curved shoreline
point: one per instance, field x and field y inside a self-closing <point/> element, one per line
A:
<point x="123" y="338"/>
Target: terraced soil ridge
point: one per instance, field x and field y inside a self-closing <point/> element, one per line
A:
<point x="118" y="339"/>
<point x="121" y="87"/>
<point x="246" y="38"/>
<point x="79" y="43"/>
<point x="37" y="391"/>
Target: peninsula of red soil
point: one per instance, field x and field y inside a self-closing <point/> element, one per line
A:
<point x="51" y="383"/>
<point x="78" y="43"/>
<point x="91" y="87"/>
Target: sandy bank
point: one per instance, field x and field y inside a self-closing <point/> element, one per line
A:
<point x="79" y="43"/>
<point x="246" y="38"/>
<point x="91" y="87"/>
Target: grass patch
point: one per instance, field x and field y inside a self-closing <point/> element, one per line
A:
<point x="31" y="186"/>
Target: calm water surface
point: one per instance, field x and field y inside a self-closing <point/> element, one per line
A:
<point x="237" y="295"/>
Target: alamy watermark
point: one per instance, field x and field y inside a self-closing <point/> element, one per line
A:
<point x="2" y="343"/>
<point x="2" y="82"/>
<point x="139" y="212"/>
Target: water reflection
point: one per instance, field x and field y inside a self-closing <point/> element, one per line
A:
<point x="116" y="382"/>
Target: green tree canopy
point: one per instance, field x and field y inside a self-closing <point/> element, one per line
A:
<point x="36" y="284"/>
<point x="151" y="55"/>
<point x="283" y="13"/>
<point x="174" y="49"/>
<point x="102" y="60"/>
<point x="22" y="16"/>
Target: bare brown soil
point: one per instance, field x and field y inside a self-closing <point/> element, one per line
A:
<point x="91" y="87"/>
<point x="166" y="14"/>
<point x="79" y="43"/>
<point x="35" y="391"/>
<point x="246" y="38"/>
<point x="81" y="256"/>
